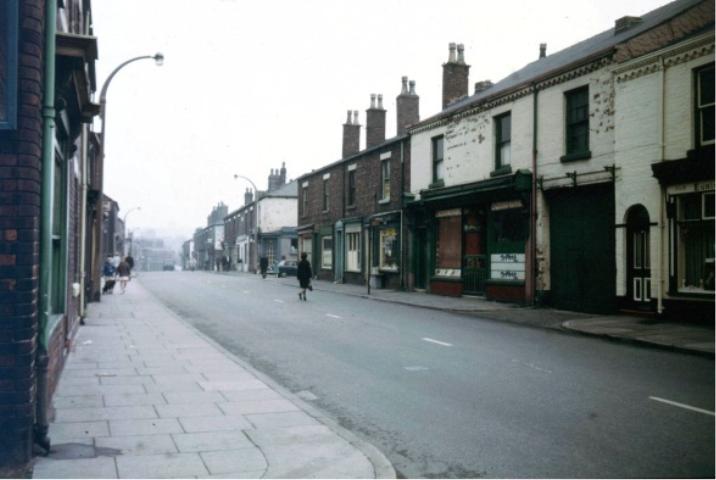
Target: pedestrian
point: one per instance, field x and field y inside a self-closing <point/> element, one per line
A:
<point x="123" y="272"/>
<point x="108" y="272"/>
<point x="304" y="274"/>
<point x="263" y="265"/>
<point x="130" y="262"/>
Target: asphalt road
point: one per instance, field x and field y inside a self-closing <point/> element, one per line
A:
<point x="446" y="395"/>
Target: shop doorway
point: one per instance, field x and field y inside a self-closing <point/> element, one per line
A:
<point x="474" y="261"/>
<point x="421" y="258"/>
<point x="638" y="267"/>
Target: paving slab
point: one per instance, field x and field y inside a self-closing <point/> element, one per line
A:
<point x="101" y="467"/>
<point x="138" y="444"/>
<point x="246" y="460"/>
<point x="214" y="424"/>
<point x="176" y="465"/>
<point x="156" y="426"/>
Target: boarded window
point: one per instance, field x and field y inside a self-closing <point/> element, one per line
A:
<point x="449" y="244"/>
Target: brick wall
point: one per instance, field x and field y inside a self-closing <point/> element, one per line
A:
<point x="20" y="159"/>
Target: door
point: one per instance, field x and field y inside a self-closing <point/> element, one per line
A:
<point x="638" y="266"/>
<point x="474" y="262"/>
<point x="421" y="258"/>
<point x="582" y="264"/>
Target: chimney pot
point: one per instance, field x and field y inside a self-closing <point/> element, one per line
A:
<point x="451" y="56"/>
<point x="372" y="100"/>
<point x="412" y="88"/>
<point x="542" y="50"/>
<point x="355" y="117"/>
<point x="348" y="120"/>
<point x="461" y="54"/>
<point x="404" y="89"/>
<point x="380" y="101"/>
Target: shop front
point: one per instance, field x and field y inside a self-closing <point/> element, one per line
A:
<point x="383" y="231"/>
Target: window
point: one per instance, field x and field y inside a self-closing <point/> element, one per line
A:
<point x="438" y="143"/>
<point x="705" y="105"/>
<point x="8" y="63"/>
<point x="503" y="140"/>
<point x="306" y="246"/>
<point x="353" y="251"/>
<point x="304" y="201"/>
<point x="577" y="124"/>
<point x="327" y="252"/>
<point x="352" y="187"/>
<point x="695" y="243"/>
<point x="449" y="245"/>
<point x="388" y="245"/>
<point x="325" y="194"/>
<point x="385" y="179"/>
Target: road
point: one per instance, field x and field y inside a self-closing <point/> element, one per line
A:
<point x="445" y="395"/>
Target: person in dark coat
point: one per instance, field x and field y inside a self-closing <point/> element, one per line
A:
<point x="304" y="274"/>
<point x="263" y="265"/>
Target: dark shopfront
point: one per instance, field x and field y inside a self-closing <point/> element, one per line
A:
<point x="472" y="239"/>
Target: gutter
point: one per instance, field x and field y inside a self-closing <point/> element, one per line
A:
<point x="41" y="426"/>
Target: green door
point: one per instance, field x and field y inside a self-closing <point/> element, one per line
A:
<point x="582" y="249"/>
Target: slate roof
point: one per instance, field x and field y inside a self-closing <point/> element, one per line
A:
<point x="288" y="190"/>
<point x="593" y="46"/>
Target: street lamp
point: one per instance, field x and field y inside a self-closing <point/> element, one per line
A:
<point x="126" y="230"/>
<point x="256" y="232"/>
<point x="158" y="59"/>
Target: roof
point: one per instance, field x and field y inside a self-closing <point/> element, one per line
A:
<point x="600" y="44"/>
<point x="289" y="189"/>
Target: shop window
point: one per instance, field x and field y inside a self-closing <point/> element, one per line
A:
<point x="437" y="150"/>
<point x="705" y="105"/>
<point x="388" y="245"/>
<point x="327" y="252"/>
<point x="695" y="243"/>
<point x="503" y="141"/>
<point x="8" y="63"/>
<point x="353" y="251"/>
<point x="577" y="124"/>
<point x="385" y="179"/>
<point x="449" y="246"/>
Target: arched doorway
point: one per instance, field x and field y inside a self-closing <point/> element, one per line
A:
<point x="638" y="267"/>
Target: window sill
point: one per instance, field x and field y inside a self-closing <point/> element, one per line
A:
<point x="501" y="171"/>
<point x="384" y="201"/>
<point x="576" y="156"/>
<point x="437" y="184"/>
<point x="350" y="207"/>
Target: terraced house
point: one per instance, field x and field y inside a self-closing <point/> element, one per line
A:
<point x="350" y="219"/>
<point x="539" y="187"/>
<point x="49" y="190"/>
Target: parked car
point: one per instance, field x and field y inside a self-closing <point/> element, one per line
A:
<point x="287" y="268"/>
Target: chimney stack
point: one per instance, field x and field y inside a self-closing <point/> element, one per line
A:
<point x="282" y="175"/>
<point x="351" y="135"/>
<point x="455" y="75"/>
<point x="408" y="106"/>
<point x="483" y="85"/>
<point x="248" y="196"/>
<point x="375" y="122"/>
<point x="542" y="50"/>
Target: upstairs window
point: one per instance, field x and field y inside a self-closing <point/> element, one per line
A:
<point x="351" y="187"/>
<point x="577" y="124"/>
<point x="8" y="63"/>
<point x="304" y="201"/>
<point x="385" y="180"/>
<point x="438" y="167"/>
<point x="503" y="141"/>
<point x="325" y="194"/>
<point x="705" y="106"/>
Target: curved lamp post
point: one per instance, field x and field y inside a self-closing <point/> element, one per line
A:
<point x="124" y="222"/>
<point x="158" y="58"/>
<point x="256" y="232"/>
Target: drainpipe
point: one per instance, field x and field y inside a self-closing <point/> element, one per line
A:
<point x="83" y="221"/>
<point x="402" y="205"/>
<point x="48" y="167"/>
<point x="533" y="201"/>
<point x="662" y="193"/>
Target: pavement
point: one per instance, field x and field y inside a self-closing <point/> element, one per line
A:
<point x="145" y="395"/>
<point x="650" y="331"/>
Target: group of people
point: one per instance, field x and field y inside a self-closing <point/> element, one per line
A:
<point x="116" y="268"/>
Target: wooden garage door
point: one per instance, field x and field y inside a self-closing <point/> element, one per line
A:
<point x="582" y="249"/>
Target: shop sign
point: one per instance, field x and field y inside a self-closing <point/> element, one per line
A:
<point x="453" y="212"/>
<point x="507" y="266"/>
<point x="707" y="186"/>
<point x="505" y="205"/>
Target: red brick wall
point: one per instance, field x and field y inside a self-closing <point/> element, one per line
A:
<point x="20" y="173"/>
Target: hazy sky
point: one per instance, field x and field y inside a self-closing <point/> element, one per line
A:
<point x="247" y="85"/>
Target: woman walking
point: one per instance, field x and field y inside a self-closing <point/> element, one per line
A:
<point x="123" y="271"/>
<point x="304" y="275"/>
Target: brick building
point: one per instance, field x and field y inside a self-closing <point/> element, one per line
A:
<point x="350" y="212"/>
<point x="46" y="82"/>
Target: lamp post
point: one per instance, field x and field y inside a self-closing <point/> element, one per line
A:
<point x="126" y="230"/>
<point x="256" y="232"/>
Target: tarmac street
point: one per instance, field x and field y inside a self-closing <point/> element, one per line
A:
<point x="451" y="395"/>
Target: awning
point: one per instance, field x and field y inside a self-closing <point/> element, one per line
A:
<point x="697" y="166"/>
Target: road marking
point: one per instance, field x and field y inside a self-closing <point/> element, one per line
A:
<point x="278" y="301"/>
<point x="333" y="316"/>
<point x="415" y="368"/>
<point x="682" y="405"/>
<point x="431" y="340"/>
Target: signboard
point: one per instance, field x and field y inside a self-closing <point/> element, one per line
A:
<point x="507" y="266"/>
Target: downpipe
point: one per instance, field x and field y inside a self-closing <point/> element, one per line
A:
<point x="42" y="424"/>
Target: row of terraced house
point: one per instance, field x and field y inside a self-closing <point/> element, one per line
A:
<point x="584" y="180"/>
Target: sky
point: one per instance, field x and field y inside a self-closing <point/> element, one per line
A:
<point x="247" y="85"/>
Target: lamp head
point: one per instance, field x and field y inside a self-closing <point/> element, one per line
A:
<point x="159" y="59"/>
